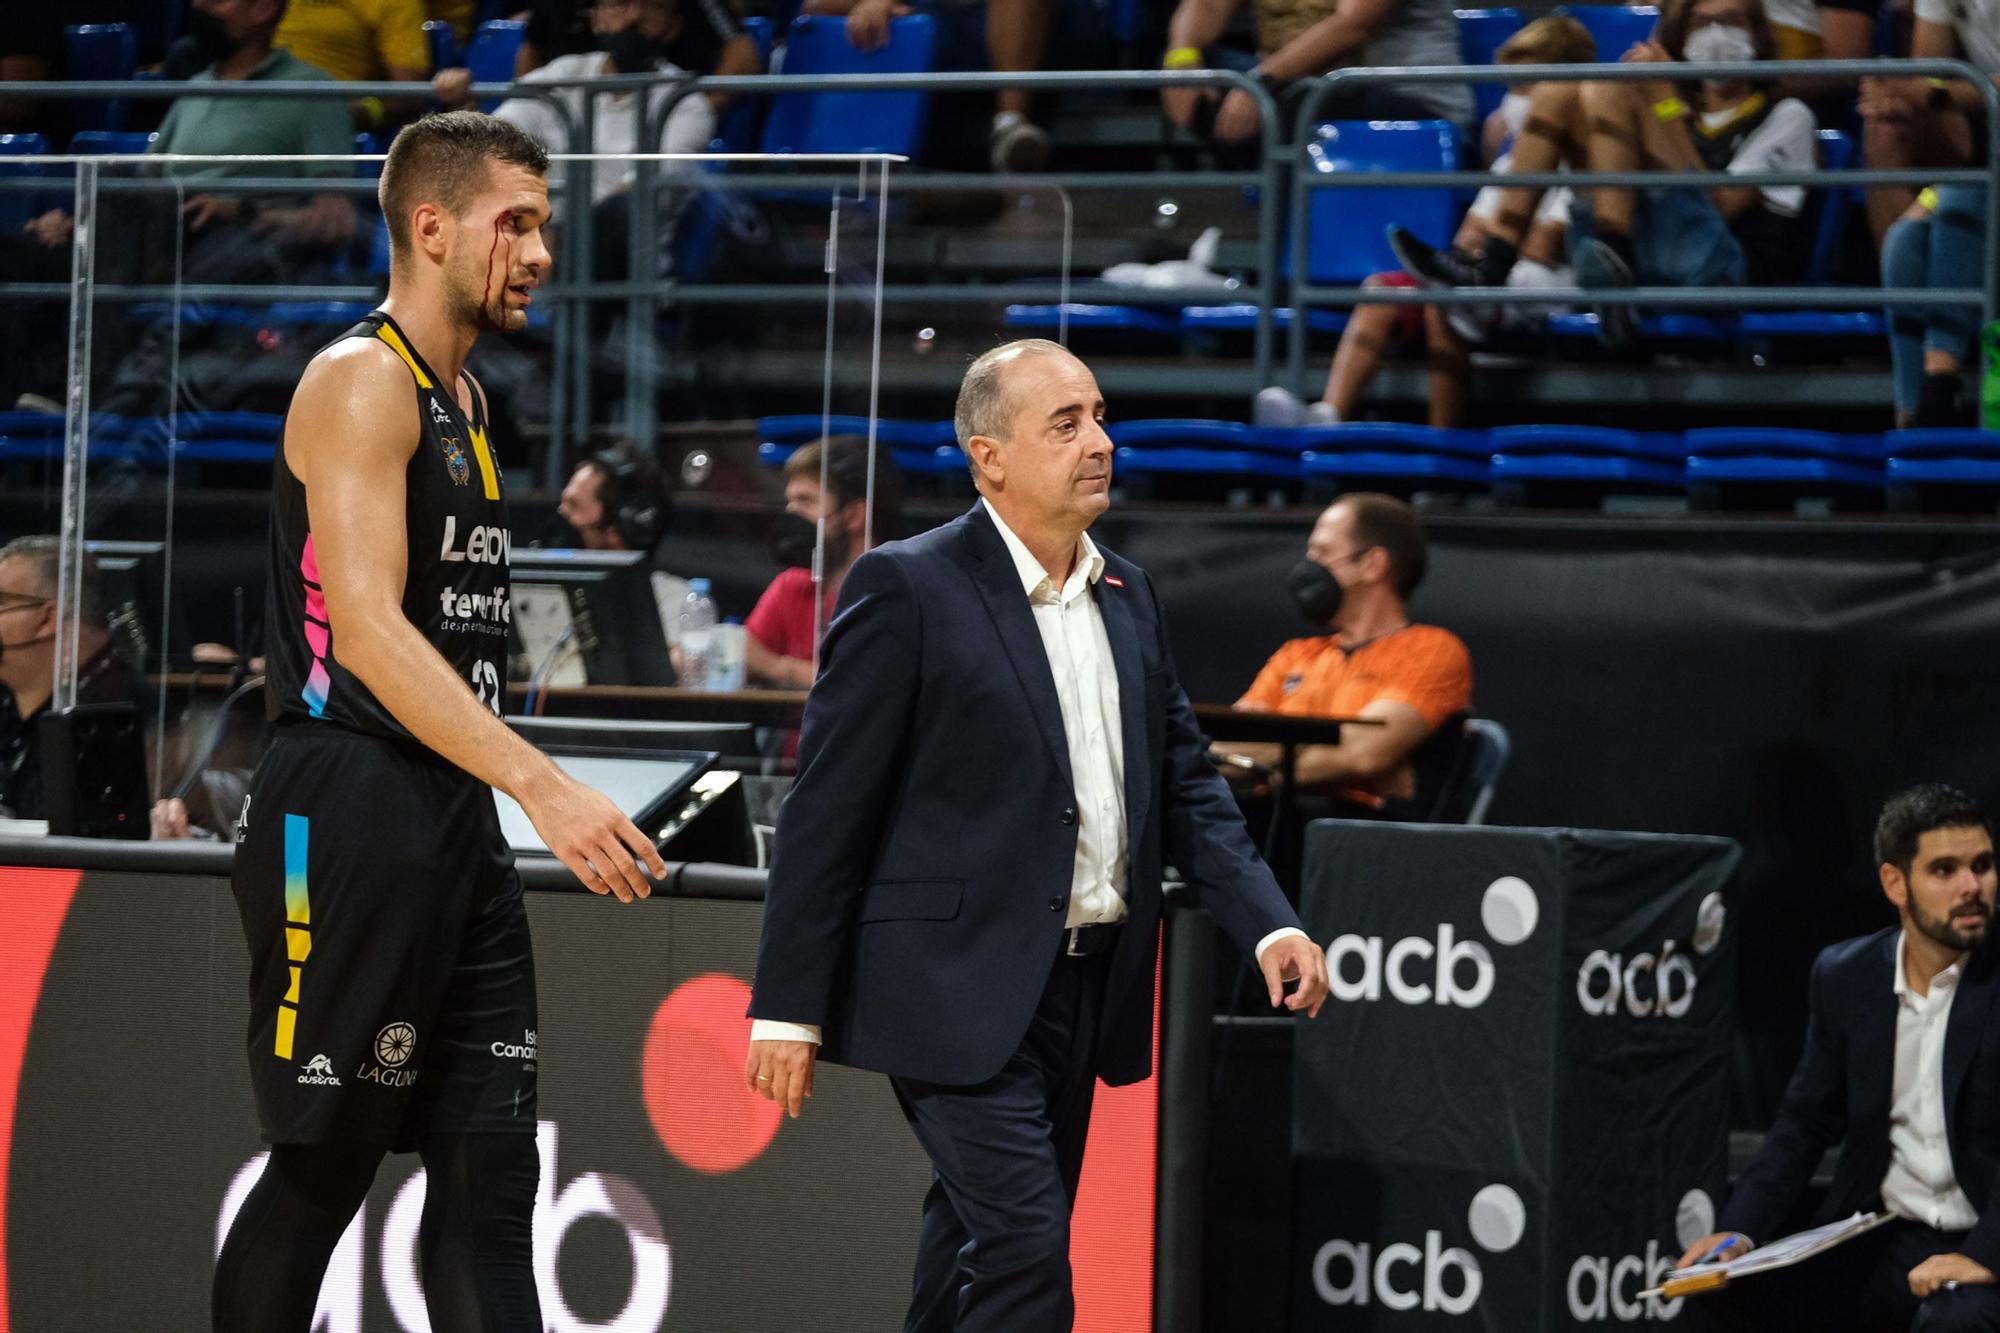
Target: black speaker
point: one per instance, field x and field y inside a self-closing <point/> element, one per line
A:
<point x="94" y="771"/>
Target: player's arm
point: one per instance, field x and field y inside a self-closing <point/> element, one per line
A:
<point x="349" y="438"/>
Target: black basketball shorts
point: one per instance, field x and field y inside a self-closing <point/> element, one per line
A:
<point x="392" y="983"/>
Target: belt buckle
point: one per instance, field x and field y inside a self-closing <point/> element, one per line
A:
<point x="1072" y="948"/>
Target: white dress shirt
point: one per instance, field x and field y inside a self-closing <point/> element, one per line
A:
<point x="1086" y="681"/>
<point x="1920" y="1184"/>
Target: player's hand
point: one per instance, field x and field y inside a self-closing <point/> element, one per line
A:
<point x="591" y="836"/>
<point x="1296" y="958"/>
<point x="1939" y="1269"/>
<point x="452" y="87"/>
<point x="1703" y="1251"/>
<point x="782" y="1071"/>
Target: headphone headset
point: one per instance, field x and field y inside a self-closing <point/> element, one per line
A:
<point x="630" y="494"/>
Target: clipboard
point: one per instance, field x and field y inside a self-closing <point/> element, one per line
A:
<point x="1766" y="1258"/>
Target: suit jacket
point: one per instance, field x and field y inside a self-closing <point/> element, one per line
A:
<point x="921" y="879"/>
<point x="1842" y="1089"/>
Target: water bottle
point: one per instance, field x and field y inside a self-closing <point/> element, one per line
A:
<point x="725" y="659"/>
<point x="697" y="635"/>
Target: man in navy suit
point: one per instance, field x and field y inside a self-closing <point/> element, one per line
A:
<point x="995" y="760"/>
<point x="1902" y="1069"/>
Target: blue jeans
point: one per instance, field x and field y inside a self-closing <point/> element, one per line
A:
<point x="1938" y="251"/>
<point x="1678" y="236"/>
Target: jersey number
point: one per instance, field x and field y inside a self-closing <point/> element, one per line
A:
<point x="486" y="684"/>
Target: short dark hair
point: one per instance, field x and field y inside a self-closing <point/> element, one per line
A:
<point x="45" y="552"/>
<point x="444" y="158"/>
<point x="1912" y="813"/>
<point x="847" y="474"/>
<point x="1384" y="521"/>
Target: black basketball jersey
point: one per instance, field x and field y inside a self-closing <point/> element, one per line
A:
<point x="454" y="592"/>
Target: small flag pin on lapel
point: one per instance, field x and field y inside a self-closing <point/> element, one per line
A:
<point x="1114" y="580"/>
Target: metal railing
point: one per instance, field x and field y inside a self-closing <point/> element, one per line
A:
<point x="1306" y="294"/>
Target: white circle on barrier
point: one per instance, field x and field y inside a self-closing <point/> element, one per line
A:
<point x="1510" y="910"/>
<point x="1694" y="1218"/>
<point x="1709" y="919"/>
<point x="1498" y="1218"/>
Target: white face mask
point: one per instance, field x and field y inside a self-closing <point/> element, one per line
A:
<point x="1719" y="41"/>
<point x="1514" y="112"/>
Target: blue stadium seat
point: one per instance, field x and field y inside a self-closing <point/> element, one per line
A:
<point x="1347" y="231"/>
<point x="800" y="427"/>
<point x="1615" y="28"/>
<point x="1797" y="462"/>
<point x="1080" y="315"/>
<point x="110" y="142"/>
<point x="911" y="460"/>
<point x="1197" y="448"/>
<point x="743" y="121"/>
<point x="17" y="206"/>
<point x="492" y="52"/>
<point x="1934" y="459"/>
<point x="205" y="437"/>
<point x="443" y="46"/>
<point x="160" y="24"/>
<point x="1592" y="458"/>
<point x="1390" y="452"/>
<point x="1241" y="317"/>
<point x="1480" y="34"/>
<point x="26" y="436"/>
<point x="852" y="122"/>
<point x="101" y="51"/>
<point x="1673" y="326"/>
<point x="1835" y="207"/>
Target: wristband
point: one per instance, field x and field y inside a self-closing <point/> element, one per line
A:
<point x="1928" y="197"/>
<point x="372" y="109"/>
<point x="1183" y="57"/>
<point x="1670" y="108"/>
<point x="1940" y="96"/>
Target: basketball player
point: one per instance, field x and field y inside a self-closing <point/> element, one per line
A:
<point x="392" y="984"/>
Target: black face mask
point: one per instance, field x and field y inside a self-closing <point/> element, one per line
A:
<point x="792" y="541"/>
<point x="1315" y="591"/>
<point x="558" y="534"/>
<point x="211" y="39"/>
<point x="631" y="51"/>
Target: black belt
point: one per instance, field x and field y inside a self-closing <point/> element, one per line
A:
<point x="1089" y="941"/>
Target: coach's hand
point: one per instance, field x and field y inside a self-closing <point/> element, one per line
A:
<point x="591" y="836"/>
<point x="1296" y="958"/>
<point x="1939" y="1269"/>
<point x="782" y="1071"/>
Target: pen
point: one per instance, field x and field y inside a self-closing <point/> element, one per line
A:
<point x="1726" y="1242"/>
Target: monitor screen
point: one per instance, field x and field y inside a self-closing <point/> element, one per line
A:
<point x="614" y="616"/>
<point x="642" y="784"/>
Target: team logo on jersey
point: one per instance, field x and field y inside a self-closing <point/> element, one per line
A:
<point x="438" y="414"/>
<point x="394" y="1043"/>
<point x="455" y="461"/>
<point x="319" y="1070"/>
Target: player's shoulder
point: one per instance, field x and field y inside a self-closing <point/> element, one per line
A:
<point x="1433" y="638"/>
<point x="357" y="381"/>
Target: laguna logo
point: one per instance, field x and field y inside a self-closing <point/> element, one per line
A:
<point x="1460" y="972"/>
<point x="1606" y="1290"/>
<point x="1650" y="985"/>
<point x="1434" y="1277"/>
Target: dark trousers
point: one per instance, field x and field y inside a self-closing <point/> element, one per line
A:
<point x="993" y="1255"/>
<point x="1864" y="1286"/>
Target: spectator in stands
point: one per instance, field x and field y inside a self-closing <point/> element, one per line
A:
<point x="458" y="13"/>
<point x="1447" y="331"/>
<point x="1936" y="243"/>
<point x="616" y="500"/>
<point x="1930" y="122"/>
<point x="34" y="48"/>
<point x="784" y="627"/>
<point x="1364" y="560"/>
<point x="708" y="40"/>
<point x="229" y="238"/>
<point x="1676" y="236"/>
<point x="362" y="41"/>
<point x="632" y="38"/>
<point x="1006" y="36"/>
<point x="28" y="628"/>
<point x="1298" y="42"/>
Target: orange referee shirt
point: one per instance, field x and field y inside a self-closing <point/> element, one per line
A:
<point x="1422" y="666"/>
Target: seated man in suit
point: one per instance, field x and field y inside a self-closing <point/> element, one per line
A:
<point x="1902" y="1070"/>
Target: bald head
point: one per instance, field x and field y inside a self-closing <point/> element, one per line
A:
<point x="985" y="405"/>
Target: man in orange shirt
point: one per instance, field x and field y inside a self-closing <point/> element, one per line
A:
<point x="1363" y="561"/>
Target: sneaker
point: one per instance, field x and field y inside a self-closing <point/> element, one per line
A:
<point x="1321" y="414"/>
<point x="1278" y="406"/>
<point x="1432" y="266"/>
<point x="1598" y="265"/>
<point x="1942" y="402"/>
<point x="1018" y="144"/>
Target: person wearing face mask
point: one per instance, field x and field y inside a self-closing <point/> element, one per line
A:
<point x="1669" y="236"/>
<point x="785" y="626"/>
<point x="632" y="38"/>
<point x="28" y="629"/>
<point x="1364" y="559"/>
<point x="1448" y="331"/>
